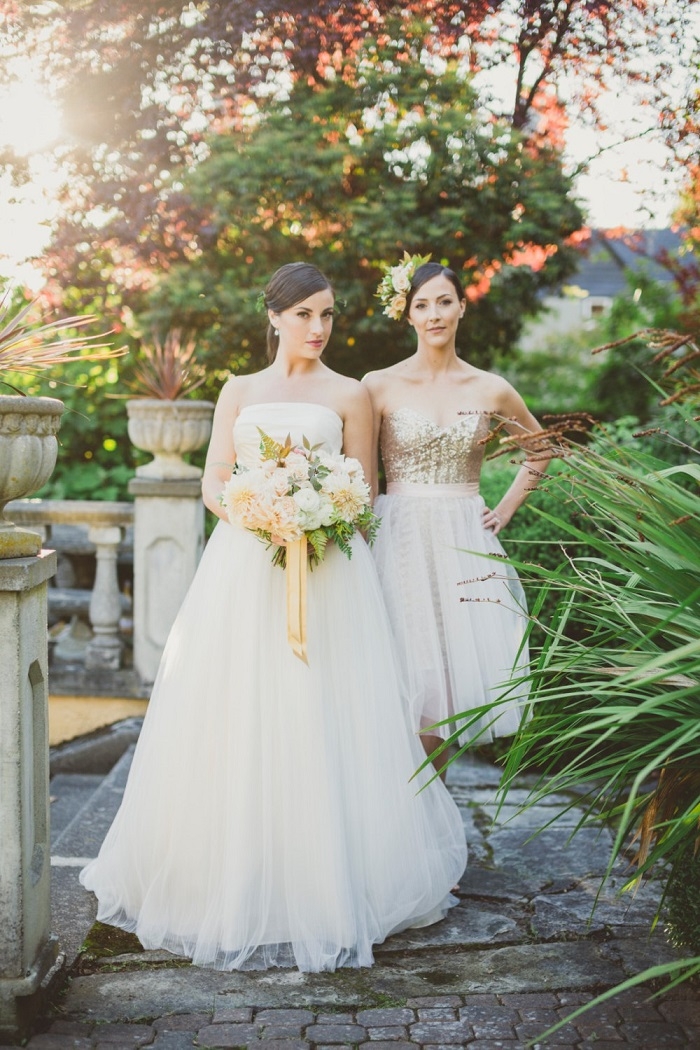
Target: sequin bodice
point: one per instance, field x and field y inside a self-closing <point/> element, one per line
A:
<point x="417" y="450"/>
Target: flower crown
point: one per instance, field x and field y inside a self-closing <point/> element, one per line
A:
<point x="396" y="284"/>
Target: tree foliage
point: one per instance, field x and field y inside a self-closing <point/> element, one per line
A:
<point x="348" y="176"/>
<point x="211" y="140"/>
<point x="141" y="84"/>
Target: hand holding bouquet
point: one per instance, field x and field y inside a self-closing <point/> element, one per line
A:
<point x="300" y="491"/>
<point x="297" y="499"/>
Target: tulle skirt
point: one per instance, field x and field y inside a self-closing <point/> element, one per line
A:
<point x="458" y="618"/>
<point x="270" y="817"/>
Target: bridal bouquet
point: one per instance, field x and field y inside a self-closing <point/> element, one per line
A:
<point x="300" y="492"/>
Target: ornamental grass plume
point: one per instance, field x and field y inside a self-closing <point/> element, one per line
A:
<point x="27" y="348"/>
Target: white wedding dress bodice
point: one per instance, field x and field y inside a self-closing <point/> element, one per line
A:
<point x="270" y="817"/>
<point x="319" y="424"/>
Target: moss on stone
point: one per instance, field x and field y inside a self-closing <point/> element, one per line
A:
<point x="103" y="940"/>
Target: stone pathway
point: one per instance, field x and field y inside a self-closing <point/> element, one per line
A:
<point x="484" y="1022"/>
<point x="520" y="952"/>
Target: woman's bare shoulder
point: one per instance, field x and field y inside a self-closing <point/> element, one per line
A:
<point x="385" y="379"/>
<point x="350" y="392"/>
<point x="378" y="374"/>
<point x="493" y="382"/>
<point x="233" y="389"/>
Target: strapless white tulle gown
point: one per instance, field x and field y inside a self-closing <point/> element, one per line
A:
<point x="459" y="618"/>
<point x="269" y="817"/>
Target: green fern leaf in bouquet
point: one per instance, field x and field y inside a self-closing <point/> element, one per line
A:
<point x="317" y="541"/>
<point x="271" y="449"/>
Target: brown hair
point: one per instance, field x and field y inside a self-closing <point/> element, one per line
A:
<point x="425" y="273"/>
<point x="289" y="285"/>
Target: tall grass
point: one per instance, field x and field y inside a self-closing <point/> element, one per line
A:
<point x="614" y="713"/>
<point x="616" y="682"/>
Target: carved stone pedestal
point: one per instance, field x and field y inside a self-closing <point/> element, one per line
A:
<point x="168" y="543"/>
<point x="28" y="951"/>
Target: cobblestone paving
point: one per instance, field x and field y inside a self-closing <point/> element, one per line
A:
<point x="482" y="1022"/>
<point x="522" y="951"/>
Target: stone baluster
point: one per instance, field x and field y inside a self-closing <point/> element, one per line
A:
<point x="104" y="650"/>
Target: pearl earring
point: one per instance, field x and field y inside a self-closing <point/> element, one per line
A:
<point x="277" y="332"/>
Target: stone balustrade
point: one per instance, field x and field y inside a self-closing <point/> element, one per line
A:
<point x="105" y="523"/>
<point x="166" y="521"/>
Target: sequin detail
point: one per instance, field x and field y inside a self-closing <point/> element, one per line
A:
<point x="415" y="449"/>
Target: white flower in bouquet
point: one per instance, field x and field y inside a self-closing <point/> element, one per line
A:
<point x="280" y="481"/>
<point x="283" y="520"/>
<point x="328" y="462"/>
<point x="314" y="509"/>
<point x="297" y="467"/>
<point x="353" y="467"/>
<point x="300" y="491"/>
<point x="242" y="496"/>
<point x="348" y="495"/>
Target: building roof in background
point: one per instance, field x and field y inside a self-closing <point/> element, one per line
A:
<point x="609" y="256"/>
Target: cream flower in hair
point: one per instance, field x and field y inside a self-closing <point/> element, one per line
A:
<point x="396" y="284"/>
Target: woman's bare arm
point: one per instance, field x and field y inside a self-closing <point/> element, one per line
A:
<point x="521" y="424"/>
<point x="358" y="430"/>
<point x="221" y="454"/>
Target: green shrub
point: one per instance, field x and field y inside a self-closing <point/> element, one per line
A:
<point x="615" y="703"/>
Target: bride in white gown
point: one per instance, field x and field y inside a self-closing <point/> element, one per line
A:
<point x="269" y="818"/>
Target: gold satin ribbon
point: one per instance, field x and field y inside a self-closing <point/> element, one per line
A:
<point x="296" y="597"/>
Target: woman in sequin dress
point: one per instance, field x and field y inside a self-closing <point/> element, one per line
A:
<point x="458" y="619"/>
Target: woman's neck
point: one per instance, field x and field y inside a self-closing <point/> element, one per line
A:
<point x="287" y="367"/>
<point x="437" y="361"/>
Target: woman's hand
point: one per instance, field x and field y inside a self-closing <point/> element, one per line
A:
<point x="494" y="520"/>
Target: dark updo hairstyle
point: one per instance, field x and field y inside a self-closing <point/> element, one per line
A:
<point x="425" y="273"/>
<point x="289" y="285"/>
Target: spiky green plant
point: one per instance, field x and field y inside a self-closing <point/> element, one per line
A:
<point x="166" y="369"/>
<point x="28" y="347"/>
<point x="616" y="684"/>
<point x="614" y="716"/>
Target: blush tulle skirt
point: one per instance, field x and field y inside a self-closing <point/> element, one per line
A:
<point x="270" y="817"/>
<point x="458" y="618"/>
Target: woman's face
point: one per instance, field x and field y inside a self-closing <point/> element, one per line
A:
<point x="305" y="328"/>
<point x="435" y="312"/>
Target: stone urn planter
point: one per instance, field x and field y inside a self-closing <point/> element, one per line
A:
<point x="168" y="430"/>
<point x="28" y="450"/>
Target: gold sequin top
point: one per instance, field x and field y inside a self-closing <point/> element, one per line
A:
<point x="416" y="450"/>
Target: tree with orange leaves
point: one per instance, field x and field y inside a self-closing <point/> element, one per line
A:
<point x="143" y="84"/>
<point x="397" y="156"/>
